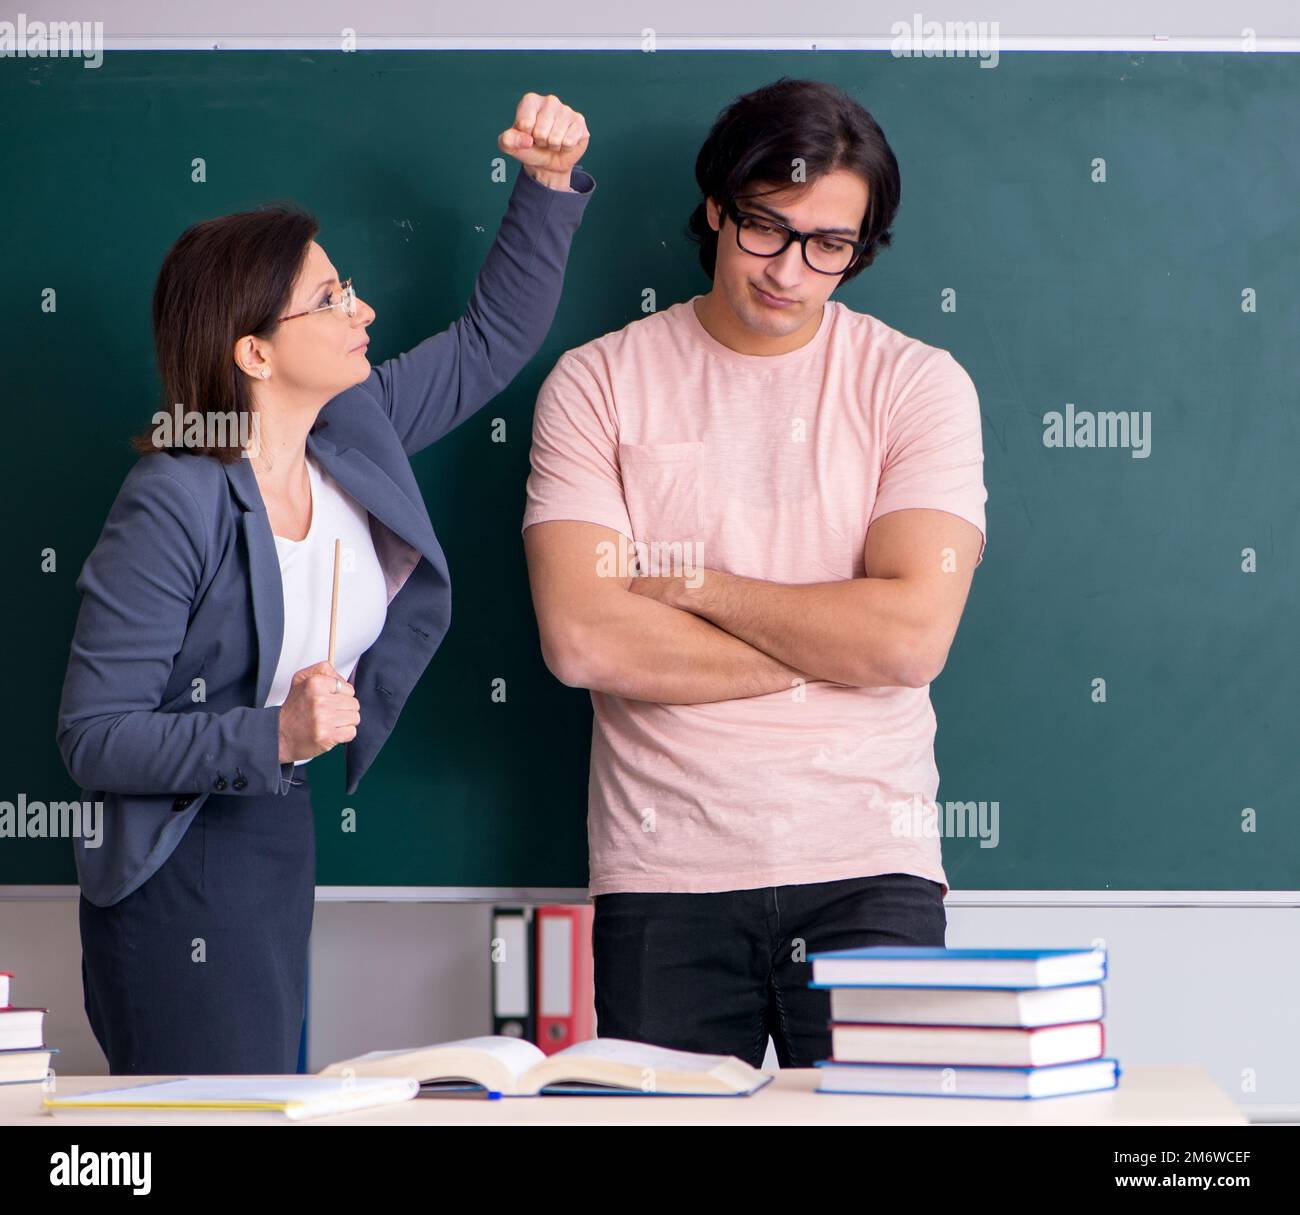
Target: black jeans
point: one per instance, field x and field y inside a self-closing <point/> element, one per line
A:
<point x="718" y="973"/>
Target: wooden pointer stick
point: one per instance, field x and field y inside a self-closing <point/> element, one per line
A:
<point x="334" y="601"/>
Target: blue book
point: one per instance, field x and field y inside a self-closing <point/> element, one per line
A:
<point x="990" y="1083"/>
<point x="896" y="966"/>
<point x="25" y="1064"/>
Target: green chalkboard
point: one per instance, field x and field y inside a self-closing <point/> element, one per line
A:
<point x="1122" y="295"/>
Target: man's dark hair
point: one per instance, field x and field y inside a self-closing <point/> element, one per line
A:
<point x="757" y="138"/>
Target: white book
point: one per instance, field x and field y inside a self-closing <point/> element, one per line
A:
<point x="515" y="1068"/>
<point x="974" y="1046"/>
<point x="970" y="1006"/>
<point x="25" y="1065"/>
<point x="22" y="1028"/>
<point x="931" y="966"/>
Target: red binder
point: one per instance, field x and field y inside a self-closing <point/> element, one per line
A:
<point x="566" y="993"/>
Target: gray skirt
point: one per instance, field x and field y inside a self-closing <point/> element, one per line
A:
<point x="203" y="968"/>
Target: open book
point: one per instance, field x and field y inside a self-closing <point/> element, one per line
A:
<point x="515" y="1068"/>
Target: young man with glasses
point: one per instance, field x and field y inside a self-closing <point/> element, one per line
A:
<point x="751" y="527"/>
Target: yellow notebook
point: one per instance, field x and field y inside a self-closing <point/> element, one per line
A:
<point x="293" y="1097"/>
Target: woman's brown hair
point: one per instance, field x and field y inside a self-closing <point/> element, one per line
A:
<point x="224" y="278"/>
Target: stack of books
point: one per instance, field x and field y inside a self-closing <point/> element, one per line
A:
<point x="1000" y="1023"/>
<point x="24" y="1057"/>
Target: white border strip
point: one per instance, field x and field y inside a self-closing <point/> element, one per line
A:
<point x="669" y="42"/>
<point x="574" y="894"/>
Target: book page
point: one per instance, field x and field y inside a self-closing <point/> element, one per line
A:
<point x="516" y="1055"/>
<point x="640" y="1054"/>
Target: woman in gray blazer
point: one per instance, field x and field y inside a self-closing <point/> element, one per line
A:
<point x="196" y="687"/>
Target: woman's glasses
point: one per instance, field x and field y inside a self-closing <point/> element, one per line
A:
<point x="346" y="303"/>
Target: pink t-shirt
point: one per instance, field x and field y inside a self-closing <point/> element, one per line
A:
<point x="768" y="467"/>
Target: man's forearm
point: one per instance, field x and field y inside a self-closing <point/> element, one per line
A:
<point x="860" y="631"/>
<point x="643" y="650"/>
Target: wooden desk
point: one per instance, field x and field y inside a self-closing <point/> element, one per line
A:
<point x="1180" y="1095"/>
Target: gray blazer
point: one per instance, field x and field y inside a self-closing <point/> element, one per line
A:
<point x="184" y="582"/>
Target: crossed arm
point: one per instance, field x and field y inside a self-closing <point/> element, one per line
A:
<point x="661" y="639"/>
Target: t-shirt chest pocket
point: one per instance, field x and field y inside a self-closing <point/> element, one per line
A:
<point x="662" y="489"/>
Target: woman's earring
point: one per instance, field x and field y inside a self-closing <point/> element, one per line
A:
<point x="265" y="373"/>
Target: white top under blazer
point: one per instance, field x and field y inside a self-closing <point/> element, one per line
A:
<point x="307" y="578"/>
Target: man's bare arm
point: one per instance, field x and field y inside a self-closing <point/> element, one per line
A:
<point x="597" y="634"/>
<point x="892" y="628"/>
